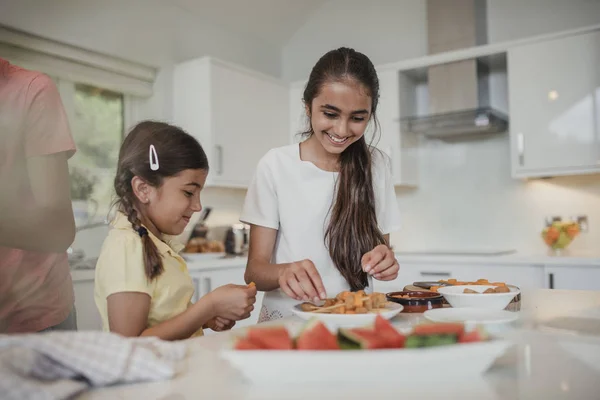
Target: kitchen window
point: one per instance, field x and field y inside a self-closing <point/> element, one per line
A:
<point x="96" y="117"/>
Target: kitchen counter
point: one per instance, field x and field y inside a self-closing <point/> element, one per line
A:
<point x="590" y="259"/>
<point x="542" y="365"/>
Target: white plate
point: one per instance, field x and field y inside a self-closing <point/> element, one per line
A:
<point x="347" y="320"/>
<point x="470" y="315"/>
<point x="279" y="367"/>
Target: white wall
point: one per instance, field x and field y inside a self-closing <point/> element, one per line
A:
<point x="466" y="199"/>
<point x="385" y="30"/>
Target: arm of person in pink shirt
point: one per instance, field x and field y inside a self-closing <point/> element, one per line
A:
<point x="42" y="218"/>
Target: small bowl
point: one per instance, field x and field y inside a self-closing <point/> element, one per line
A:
<point x="418" y="301"/>
<point x="495" y="301"/>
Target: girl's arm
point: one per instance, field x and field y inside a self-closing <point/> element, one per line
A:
<point x="128" y="316"/>
<point x="128" y="312"/>
<point x="300" y="280"/>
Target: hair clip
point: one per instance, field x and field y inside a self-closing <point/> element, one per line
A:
<point x="142" y="231"/>
<point x="153" y="158"/>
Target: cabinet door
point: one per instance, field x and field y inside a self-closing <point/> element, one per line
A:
<point x="88" y="317"/>
<point x="573" y="278"/>
<point x="250" y="117"/>
<point x="554" y="95"/>
<point x="207" y="281"/>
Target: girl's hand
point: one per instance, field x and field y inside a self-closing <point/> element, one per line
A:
<point x="381" y="263"/>
<point x="219" y="324"/>
<point x="301" y="281"/>
<point x="233" y="302"/>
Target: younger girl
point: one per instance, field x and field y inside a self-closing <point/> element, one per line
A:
<point x="321" y="211"/>
<point x="142" y="285"/>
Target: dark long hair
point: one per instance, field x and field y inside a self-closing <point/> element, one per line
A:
<point x="176" y="152"/>
<point x="353" y="229"/>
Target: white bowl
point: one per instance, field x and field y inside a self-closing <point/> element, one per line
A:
<point x="495" y="301"/>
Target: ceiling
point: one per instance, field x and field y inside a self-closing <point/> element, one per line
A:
<point x="272" y="21"/>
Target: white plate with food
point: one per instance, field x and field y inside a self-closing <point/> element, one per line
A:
<point x="471" y="315"/>
<point x="494" y="297"/>
<point x="349" y="309"/>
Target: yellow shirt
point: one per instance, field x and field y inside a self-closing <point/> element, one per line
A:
<point x="120" y="268"/>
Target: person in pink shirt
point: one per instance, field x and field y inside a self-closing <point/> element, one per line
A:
<point x="36" y="217"/>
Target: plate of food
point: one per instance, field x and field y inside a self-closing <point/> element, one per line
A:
<point x="357" y="355"/>
<point x="495" y="297"/>
<point x="349" y="308"/>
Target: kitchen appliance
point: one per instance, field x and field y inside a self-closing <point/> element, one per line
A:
<point x="237" y="239"/>
<point x="458" y="92"/>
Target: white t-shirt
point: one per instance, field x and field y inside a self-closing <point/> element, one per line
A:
<point x="295" y="197"/>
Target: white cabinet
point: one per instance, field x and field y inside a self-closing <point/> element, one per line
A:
<point x="207" y="280"/>
<point x="88" y="317"/>
<point x="524" y="276"/>
<point x="571" y="277"/>
<point x="554" y="96"/>
<point x="236" y="114"/>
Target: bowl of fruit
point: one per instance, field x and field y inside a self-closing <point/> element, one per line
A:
<point x="559" y="235"/>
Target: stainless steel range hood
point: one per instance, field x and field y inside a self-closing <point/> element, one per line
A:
<point x="459" y="92"/>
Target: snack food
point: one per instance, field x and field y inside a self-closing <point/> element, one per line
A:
<point x="349" y="303"/>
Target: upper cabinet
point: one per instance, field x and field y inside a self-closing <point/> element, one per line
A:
<point x="236" y="114"/>
<point x="554" y="96"/>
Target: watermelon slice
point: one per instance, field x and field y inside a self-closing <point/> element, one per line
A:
<point x="271" y="338"/>
<point x="384" y="329"/>
<point x="361" y="338"/>
<point x="477" y="335"/>
<point x="315" y="336"/>
<point x="245" y="344"/>
<point x="439" y="328"/>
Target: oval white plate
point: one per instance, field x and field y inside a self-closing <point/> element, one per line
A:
<point x="470" y="315"/>
<point x="349" y="319"/>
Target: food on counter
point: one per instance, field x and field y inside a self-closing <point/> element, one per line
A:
<point x="202" y="245"/>
<point x="497" y="289"/>
<point x="380" y="335"/>
<point x="560" y="234"/>
<point x="349" y="303"/>
<point x="455" y="282"/>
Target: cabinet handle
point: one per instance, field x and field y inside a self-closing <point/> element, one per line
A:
<point x="425" y="273"/>
<point x="219" y="149"/>
<point x="551" y="281"/>
<point x="521" y="148"/>
<point x="207" y="285"/>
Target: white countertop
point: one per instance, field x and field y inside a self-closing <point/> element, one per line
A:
<point x="568" y="259"/>
<point x="540" y="366"/>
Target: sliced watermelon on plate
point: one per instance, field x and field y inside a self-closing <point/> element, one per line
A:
<point x="271" y="338"/>
<point x="315" y="336"/>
